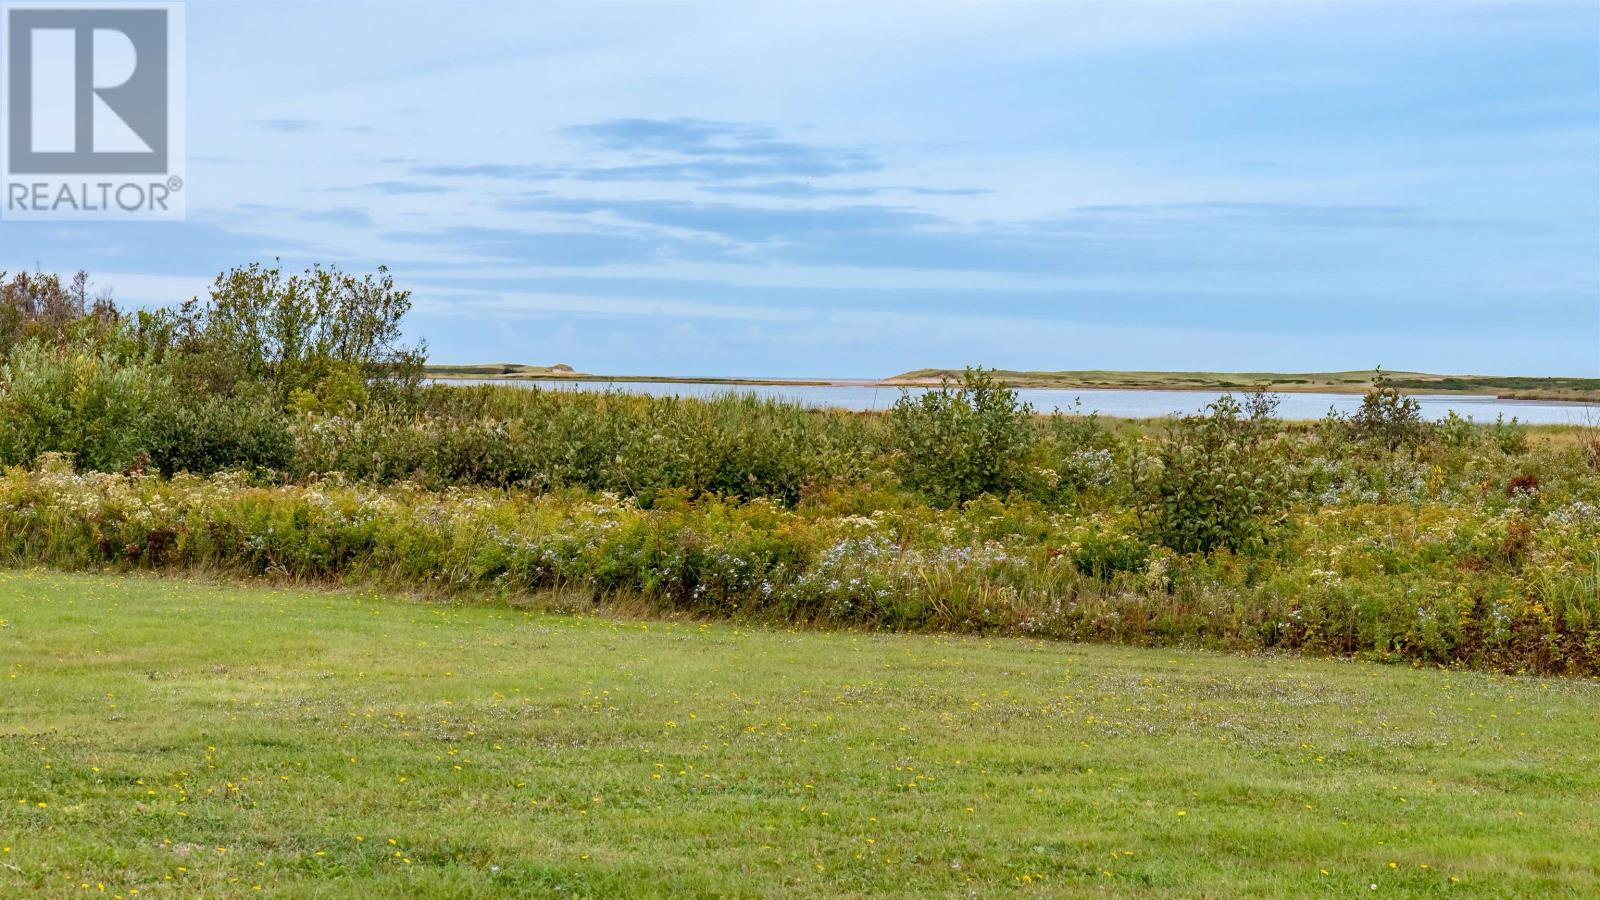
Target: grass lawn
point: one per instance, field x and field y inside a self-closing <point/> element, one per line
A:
<point x="171" y="738"/>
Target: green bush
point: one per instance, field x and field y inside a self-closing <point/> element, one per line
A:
<point x="245" y="431"/>
<point x="733" y="445"/>
<point x="1455" y="432"/>
<point x="1082" y="457"/>
<point x="309" y="332"/>
<point x="43" y="306"/>
<point x="1103" y="552"/>
<point x="1222" y="480"/>
<point x="100" y="409"/>
<point x="1388" y="418"/>
<point x="958" y="442"/>
<point x="1511" y="439"/>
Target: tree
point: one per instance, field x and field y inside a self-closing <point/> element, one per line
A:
<point x="306" y="332"/>
<point x="1388" y="417"/>
<point x="958" y="442"/>
<point x="1222" y="480"/>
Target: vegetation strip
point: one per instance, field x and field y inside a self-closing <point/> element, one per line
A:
<point x="279" y="426"/>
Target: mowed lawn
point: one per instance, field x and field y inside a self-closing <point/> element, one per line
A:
<point x="171" y="738"/>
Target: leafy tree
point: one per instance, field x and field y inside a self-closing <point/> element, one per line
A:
<point x="1222" y="480"/>
<point x="43" y="305"/>
<point x="958" y="442"/>
<point x="1388" y="417"/>
<point x="309" y="331"/>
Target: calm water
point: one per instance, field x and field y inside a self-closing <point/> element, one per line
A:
<point x="1125" y="403"/>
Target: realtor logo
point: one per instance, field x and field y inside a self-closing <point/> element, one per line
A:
<point x="93" y="110"/>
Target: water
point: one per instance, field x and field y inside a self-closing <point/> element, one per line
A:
<point x="1136" y="404"/>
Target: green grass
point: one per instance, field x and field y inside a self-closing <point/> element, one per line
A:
<point x="184" y="739"/>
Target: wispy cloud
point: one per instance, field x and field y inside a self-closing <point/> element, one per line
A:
<point x="558" y="248"/>
<point x="290" y="126"/>
<point x="945" y="192"/>
<point x="194" y="247"/>
<point x="347" y="217"/>
<point x="489" y="170"/>
<point x="1276" y="214"/>
<point x="675" y="150"/>
<point x="738" y="222"/>
<point x="401" y="188"/>
<point x="705" y="148"/>
<point x="1125" y="238"/>
<point x="789" y="189"/>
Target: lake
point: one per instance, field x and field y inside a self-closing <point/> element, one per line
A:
<point x="1136" y="404"/>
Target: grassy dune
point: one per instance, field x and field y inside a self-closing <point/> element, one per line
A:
<point x="1509" y="387"/>
<point x="520" y="372"/>
<point x="1353" y="382"/>
<point x="183" y="739"/>
<point x="502" y="370"/>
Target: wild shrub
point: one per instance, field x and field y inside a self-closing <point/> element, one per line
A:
<point x="41" y="305"/>
<point x="309" y="331"/>
<point x="636" y="446"/>
<point x="960" y="441"/>
<point x="248" y="430"/>
<point x="1455" y="432"/>
<point x="78" y="400"/>
<point x="1103" y="552"/>
<point x="340" y="392"/>
<point x="1081" y="455"/>
<point x="1388" y="418"/>
<point x="1508" y="437"/>
<point x="1222" y="480"/>
<point x="1589" y="445"/>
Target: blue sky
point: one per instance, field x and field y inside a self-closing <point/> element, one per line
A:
<point x="856" y="190"/>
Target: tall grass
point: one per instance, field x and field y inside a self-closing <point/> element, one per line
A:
<point x="734" y="445"/>
<point x="1513" y="589"/>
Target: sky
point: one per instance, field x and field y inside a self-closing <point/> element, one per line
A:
<point x="853" y="190"/>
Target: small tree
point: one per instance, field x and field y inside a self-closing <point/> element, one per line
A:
<point x="304" y="332"/>
<point x="958" y="442"/>
<point x="1388" y="417"/>
<point x="44" y="305"/>
<point x="1222" y="480"/>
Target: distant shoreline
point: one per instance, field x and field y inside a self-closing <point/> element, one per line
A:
<point x="1552" y="389"/>
<point x="559" y="373"/>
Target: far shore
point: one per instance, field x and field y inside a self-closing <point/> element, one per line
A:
<point x="1557" y="389"/>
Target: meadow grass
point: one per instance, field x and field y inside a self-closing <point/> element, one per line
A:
<point x="175" y="738"/>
